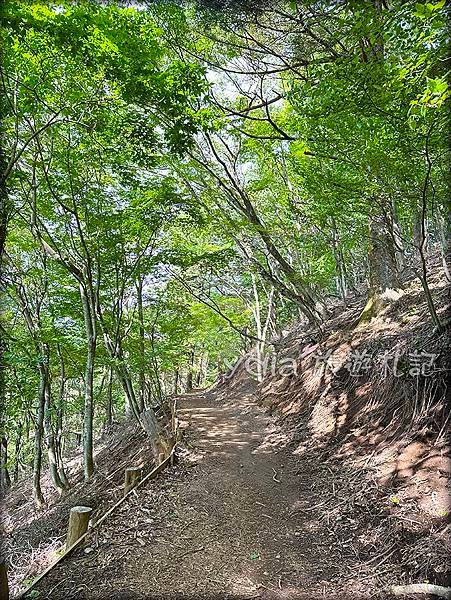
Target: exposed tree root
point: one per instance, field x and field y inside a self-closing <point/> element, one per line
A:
<point x="376" y="303"/>
<point x="421" y="588"/>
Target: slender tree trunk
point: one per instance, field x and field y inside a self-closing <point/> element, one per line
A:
<point x="17" y="451"/>
<point x="162" y="386"/>
<point x="59" y="447"/>
<point x="109" y="400"/>
<point x="176" y="382"/>
<point x="259" y="347"/>
<point x="419" y="231"/>
<point x="91" y="339"/>
<point x="122" y="371"/>
<point x="130" y="397"/>
<point x="447" y="239"/>
<point x="262" y="329"/>
<point x="339" y="262"/>
<point x="59" y="440"/>
<point x="142" y="375"/>
<point x="397" y="239"/>
<point x="189" y="376"/>
<point x="4" y="211"/>
<point x="44" y="372"/>
<point x="49" y="436"/>
<point x="5" y="480"/>
<point x="420" y="240"/>
<point x="444" y="226"/>
<point x="203" y="369"/>
<point x="38" y="436"/>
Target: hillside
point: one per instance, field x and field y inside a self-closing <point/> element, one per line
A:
<point x="345" y="477"/>
<point x="225" y="262"/>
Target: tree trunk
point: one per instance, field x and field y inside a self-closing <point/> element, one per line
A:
<point x="421" y="243"/>
<point x="259" y="346"/>
<point x="203" y="359"/>
<point x="419" y="231"/>
<point x="339" y="262"/>
<point x="189" y="376"/>
<point x="382" y="262"/>
<point x="17" y="451"/>
<point x="447" y="238"/>
<point x="49" y="436"/>
<point x="131" y="404"/>
<point x="91" y="339"/>
<point x="44" y="373"/>
<point x="38" y="435"/>
<point x="4" y="587"/>
<point x="115" y="352"/>
<point x="383" y="273"/>
<point x="5" y="480"/>
<point x="142" y="376"/>
<point x="176" y="382"/>
<point x="109" y="400"/>
<point x="445" y="242"/>
<point x="59" y="440"/>
<point x="203" y="369"/>
<point x="4" y="211"/>
<point x="397" y="239"/>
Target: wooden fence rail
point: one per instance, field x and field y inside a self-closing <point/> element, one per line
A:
<point x="127" y="492"/>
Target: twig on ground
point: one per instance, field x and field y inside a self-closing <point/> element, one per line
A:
<point x="193" y="551"/>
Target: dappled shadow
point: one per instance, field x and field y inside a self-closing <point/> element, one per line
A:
<point x="227" y="523"/>
<point x="218" y="431"/>
<point x="286" y="594"/>
<point x="32" y="536"/>
<point x="382" y="434"/>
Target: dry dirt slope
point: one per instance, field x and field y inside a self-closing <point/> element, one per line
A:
<point x="239" y="517"/>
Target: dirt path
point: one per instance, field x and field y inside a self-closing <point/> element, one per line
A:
<point x="234" y="520"/>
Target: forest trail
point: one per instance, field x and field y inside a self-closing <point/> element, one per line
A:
<point x="238" y="523"/>
<point x="248" y="497"/>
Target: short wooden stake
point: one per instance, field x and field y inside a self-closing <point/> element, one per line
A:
<point x="4" y="589"/>
<point x="78" y="523"/>
<point x="132" y="477"/>
<point x="61" y="556"/>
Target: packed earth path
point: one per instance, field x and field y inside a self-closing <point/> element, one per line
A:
<point x="237" y="517"/>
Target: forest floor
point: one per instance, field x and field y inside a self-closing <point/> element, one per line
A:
<point x="311" y="486"/>
<point x="238" y="522"/>
<point x="238" y="517"/>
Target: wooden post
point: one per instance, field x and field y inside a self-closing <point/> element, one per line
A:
<point x="132" y="476"/>
<point x="78" y="523"/>
<point x="4" y="589"/>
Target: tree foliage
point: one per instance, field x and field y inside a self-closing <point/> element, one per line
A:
<point x="181" y="181"/>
